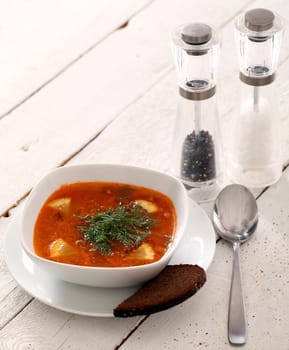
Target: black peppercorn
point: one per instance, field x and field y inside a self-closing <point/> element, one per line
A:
<point x="198" y="157"/>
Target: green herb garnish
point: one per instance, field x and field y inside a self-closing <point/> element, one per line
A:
<point x="127" y="224"/>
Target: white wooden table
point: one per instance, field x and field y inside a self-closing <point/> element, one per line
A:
<point x="92" y="82"/>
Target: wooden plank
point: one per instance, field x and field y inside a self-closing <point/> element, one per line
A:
<point x="39" y="39"/>
<point x="44" y="328"/>
<point x="6" y="281"/>
<point x="63" y="116"/>
<point x="12" y="298"/>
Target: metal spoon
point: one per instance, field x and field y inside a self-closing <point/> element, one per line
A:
<point x="235" y="219"/>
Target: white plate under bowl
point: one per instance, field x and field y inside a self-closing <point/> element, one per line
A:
<point x="197" y="247"/>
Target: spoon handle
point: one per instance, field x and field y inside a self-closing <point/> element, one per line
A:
<point x="237" y="330"/>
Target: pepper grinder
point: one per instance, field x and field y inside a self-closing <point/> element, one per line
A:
<point x="255" y="150"/>
<point x="196" y="142"/>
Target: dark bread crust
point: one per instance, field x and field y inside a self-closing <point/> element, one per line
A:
<point x="172" y="286"/>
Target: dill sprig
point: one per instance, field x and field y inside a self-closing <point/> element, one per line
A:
<point x="128" y="224"/>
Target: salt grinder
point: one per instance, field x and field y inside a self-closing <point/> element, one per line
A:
<point x="195" y="150"/>
<point x="255" y="150"/>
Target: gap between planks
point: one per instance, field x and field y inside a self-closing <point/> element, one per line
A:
<point x="18" y="311"/>
<point x="136" y="326"/>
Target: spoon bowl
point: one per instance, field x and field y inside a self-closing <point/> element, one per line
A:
<point x="235" y="218"/>
<point x="235" y="214"/>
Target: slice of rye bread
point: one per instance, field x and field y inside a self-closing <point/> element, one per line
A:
<point x="172" y="286"/>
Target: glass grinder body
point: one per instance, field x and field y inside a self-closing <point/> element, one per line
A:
<point x="254" y="155"/>
<point x="195" y="151"/>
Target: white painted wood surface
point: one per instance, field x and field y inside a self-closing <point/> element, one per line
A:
<point x="40" y="39"/>
<point x="75" y="88"/>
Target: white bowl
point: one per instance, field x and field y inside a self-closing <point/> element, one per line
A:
<point x="103" y="276"/>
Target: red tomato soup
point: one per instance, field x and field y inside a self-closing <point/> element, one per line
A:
<point x="105" y="224"/>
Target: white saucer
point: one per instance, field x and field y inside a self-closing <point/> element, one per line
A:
<point x="197" y="247"/>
